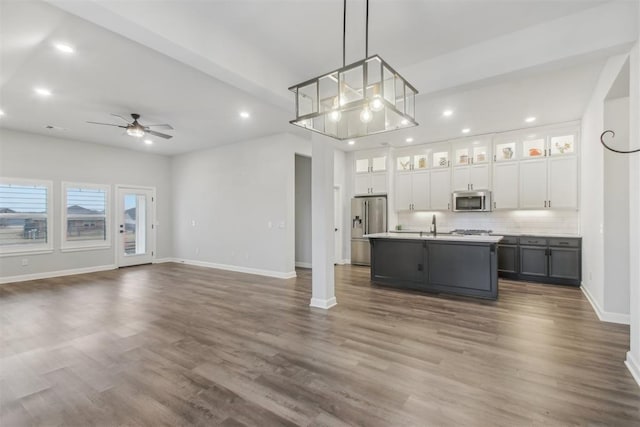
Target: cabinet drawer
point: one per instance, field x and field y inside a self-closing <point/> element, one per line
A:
<point x="565" y="243"/>
<point x="508" y="240"/>
<point x="533" y="241"/>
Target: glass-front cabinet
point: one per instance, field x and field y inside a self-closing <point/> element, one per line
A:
<point x="366" y="163"/>
<point x="505" y="149"/>
<point x="472" y="152"/>
<point x="440" y="156"/>
<point x="533" y="147"/>
<point x="413" y="159"/>
<point x="562" y="143"/>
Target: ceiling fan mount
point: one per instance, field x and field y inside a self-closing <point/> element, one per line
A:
<point x="137" y="129"/>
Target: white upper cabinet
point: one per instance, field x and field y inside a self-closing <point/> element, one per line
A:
<point x="404" y="192"/>
<point x="563" y="182"/>
<point x="370" y="173"/>
<point x="533" y="184"/>
<point x="471" y="159"/>
<point x="414" y="171"/>
<point x="440" y="156"/>
<point x="440" y="189"/>
<point x="505" y="185"/>
<point x="412" y="191"/>
<point x="506" y="149"/>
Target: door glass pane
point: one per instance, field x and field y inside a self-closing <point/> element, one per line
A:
<point x="135" y="216"/>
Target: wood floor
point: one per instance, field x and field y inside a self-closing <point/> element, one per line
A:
<point x="171" y="344"/>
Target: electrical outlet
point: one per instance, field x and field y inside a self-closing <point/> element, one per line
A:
<point x="25" y="262"/>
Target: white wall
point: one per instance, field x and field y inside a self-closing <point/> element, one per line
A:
<point x="234" y="205"/>
<point x="340" y="173"/>
<point x="616" y="209"/>
<point x="26" y="155"/>
<point x="303" y="211"/>
<point x="592" y="189"/>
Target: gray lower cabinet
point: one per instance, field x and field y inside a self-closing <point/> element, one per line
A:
<point x="448" y="267"/>
<point x="533" y="261"/>
<point x="564" y="263"/>
<point x="541" y="259"/>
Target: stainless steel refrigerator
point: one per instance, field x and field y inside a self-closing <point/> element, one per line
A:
<point x="368" y="216"/>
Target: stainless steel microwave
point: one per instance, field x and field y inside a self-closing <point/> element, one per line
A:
<point x="471" y="201"/>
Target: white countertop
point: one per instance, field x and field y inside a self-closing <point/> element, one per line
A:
<point x="497" y="233"/>
<point x="441" y="237"/>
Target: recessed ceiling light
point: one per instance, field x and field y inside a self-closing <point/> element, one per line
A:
<point x="63" y="47"/>
<point x="351" y="142"/>
<point x="42" y="91"/>
<point x="409" y="139"/>
<point x="466" y="130"/>
<point x="447" y="113"/>
<point x="148" y="141"/>
<point x="530" y="119"/>
<point x="245" y="114"/>
<point x="1" y="113"/>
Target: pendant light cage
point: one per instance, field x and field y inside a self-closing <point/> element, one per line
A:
<point x="364" y="98"/>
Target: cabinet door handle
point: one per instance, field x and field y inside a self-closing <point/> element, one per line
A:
<point x="448" y="163"/>
<point x="448" y="206"/>
<point x="471" y="186"/>
<point x="545" y="203"/>
<point x="494" y="157"/>
<point x="494" y="205"/>
<point x="549" y="203"/>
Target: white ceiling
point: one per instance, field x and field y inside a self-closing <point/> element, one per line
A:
<point x="196" y="64"/>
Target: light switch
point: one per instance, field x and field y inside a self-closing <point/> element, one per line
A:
<point x="281" y="224"/>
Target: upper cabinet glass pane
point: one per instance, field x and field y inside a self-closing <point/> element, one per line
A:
<point x="440" y="159"/>
<point x="403" y="163"/>
<point x="374" y="78"/>
<point x="379" y="164"/>
<point x="462" y="157"/>
<point x="533" y="148"/>
<point x="308" y="99"/>
<point x="362" y="165"/>
<point x="480" y="152"/>
<point x="562" y="145"/>
<point x="400" y="96"/>
<point x="410" y="101"/>
<point x="505" y="151"/>
<point x="420" y="161"/>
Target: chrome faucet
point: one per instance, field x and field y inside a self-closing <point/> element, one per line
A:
<point x="433" y="225"/>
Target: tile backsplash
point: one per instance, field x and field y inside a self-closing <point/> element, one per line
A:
<point x="516" y="221"/>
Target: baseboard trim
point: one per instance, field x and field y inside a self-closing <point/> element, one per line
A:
<point x="346" y="261"/>
<point x="237" y="269"/>
<point x="163" y="260"/>
<point x="58" y="273"/>
<point x="323" y="303"/>
<point x="633" y="366"/>
<point x="303" y="264"/>
<point x="605" y="316"/>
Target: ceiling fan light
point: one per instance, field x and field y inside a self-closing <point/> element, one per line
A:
<point x="136" y="132"/>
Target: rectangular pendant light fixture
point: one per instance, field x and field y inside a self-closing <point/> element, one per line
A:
<point x="364" y="98"/>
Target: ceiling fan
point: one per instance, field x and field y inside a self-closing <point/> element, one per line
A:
<point x="136" y="129"/>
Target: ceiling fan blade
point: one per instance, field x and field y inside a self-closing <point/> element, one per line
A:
<point x="164" y="126"/>
<point x="161" y="135"/>
<point x="118" y="115"/>
<point x="107" y="124"/>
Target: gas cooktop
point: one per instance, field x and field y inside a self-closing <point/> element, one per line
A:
<point x="471" y="232"/>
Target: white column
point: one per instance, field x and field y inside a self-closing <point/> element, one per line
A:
<point x="322" y="234"/>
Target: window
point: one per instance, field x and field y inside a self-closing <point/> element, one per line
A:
<point x="85" y="217"/>
<point x="25" y="216"/>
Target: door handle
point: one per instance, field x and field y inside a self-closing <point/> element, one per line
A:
<point x="545" y="203"/>
<point x="121" y="231"/>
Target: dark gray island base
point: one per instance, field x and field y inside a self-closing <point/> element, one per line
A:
<point x="460" y="265"/>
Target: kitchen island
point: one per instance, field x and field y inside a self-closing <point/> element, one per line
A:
<point x="462" y="265"/>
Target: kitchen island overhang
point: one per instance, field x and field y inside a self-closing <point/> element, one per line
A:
<point x="460" y="265"/>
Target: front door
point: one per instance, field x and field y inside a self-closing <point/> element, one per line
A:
<point x="135" y="214"/>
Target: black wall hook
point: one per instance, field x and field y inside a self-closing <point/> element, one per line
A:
<point x="613" y="134"/>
